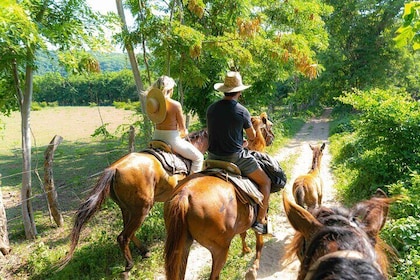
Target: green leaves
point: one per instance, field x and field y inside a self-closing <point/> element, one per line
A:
<point x="409" y="32"/>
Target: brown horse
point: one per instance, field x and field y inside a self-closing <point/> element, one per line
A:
<point x="135" y="182"/>
<point x="337" y="243"/>
<point x="205" y="209"/>
<point x="307" y="189"/>
<point x="264" y="134"/>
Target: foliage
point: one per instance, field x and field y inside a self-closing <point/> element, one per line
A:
<point x="378" y="146"/>
<point x="47" y="62"/>
<point x="404" y="235"/>
<point x="196" y="42"/>
<point x="102" y="89"/>
<point x="133" y="106"/>
<point x="362" y="53"/>
<point x="409" y="195"/>
<point x="402" y="232"/>
<point x="385" y="142"/>
<point x="409" y="32"/>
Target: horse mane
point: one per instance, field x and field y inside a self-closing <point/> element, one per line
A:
<point x="196" y="135"/>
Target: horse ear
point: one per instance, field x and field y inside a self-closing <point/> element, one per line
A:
<point x="373" y="212"/>
<point x="323" y="146"/>
<point x="300" y="219"/>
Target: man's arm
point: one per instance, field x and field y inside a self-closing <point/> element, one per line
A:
<point x="250" y="133"/>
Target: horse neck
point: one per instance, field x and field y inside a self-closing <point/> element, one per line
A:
<point x="316" y="165"/>
<point x="259" y="136"/>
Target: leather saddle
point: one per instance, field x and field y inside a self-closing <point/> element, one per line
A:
<point x="246" y="189"/>
<point x="171" y="162"/>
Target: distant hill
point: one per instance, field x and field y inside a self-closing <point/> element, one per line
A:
<point x="109" y="62"/>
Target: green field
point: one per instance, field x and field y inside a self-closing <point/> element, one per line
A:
<point x="74" y="124"/>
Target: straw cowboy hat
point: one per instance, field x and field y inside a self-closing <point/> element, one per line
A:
<point x="232" y="83"/>
<point x="156" y="106"/>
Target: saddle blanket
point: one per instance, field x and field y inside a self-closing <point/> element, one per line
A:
<point x="246" y="190"/>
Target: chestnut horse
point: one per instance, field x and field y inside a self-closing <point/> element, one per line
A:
<point x="337" y="243"/>
<point x="206" y="209"/>
<point x="307" y="189"/>
<point x="264" y="134"/>
<point x="135" y="182"/>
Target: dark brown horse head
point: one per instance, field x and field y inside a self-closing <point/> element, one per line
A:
<point x="200" y="139"/>
<point x="339" y="241"/>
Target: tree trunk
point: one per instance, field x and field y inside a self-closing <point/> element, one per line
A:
<point x="4" y="235"/>
<point x="147" y="128"/>
<point x="25" y="101"/>
<point x="130" y="51"/>
<point x="26" y="192"/>
<point x="49" y="180"/>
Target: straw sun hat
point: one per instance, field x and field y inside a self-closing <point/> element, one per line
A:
<point x="232" y="83"/>
<point x="156" y="106"/>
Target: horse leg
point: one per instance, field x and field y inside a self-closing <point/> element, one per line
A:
<point x="251" y="274"/>
<point x="131" y="224"/>
<point x="219" y="256"/>
<point x="144" y="251"/>
<point x="320" y="189"/>
<point x="245" y="247"/>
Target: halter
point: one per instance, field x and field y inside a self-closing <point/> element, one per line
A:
<point x="348" y="224"/>
<point x="346" y="254"/>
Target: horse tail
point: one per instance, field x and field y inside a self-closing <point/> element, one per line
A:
<point x="299" y="195"/>
<point x="176" y="253"/>
<point x="88" y="208"/>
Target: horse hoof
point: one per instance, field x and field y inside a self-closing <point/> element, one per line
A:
<point x="124" y="275"/>
<point x="251" y="274"/>
<point x="246" y="250"/>
<point x="146" y="254"/>
<point x="128" y="267"/>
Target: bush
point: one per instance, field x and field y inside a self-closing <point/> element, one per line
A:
<point x="385" y="145"/>
<point x="381" y="148"/>
<point x="102" y="89"/>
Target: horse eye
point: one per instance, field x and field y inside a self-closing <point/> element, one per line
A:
<point x="355" y="221"/>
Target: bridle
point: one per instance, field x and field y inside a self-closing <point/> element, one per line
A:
<point x="345" y="254"/>
<point x="351" y="227"/>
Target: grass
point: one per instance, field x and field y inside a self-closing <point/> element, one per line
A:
<point x="77" y="162"/>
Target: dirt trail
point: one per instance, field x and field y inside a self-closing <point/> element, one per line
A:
<point x="313" y="132"/>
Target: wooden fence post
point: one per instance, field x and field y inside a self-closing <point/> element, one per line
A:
<point x="131" y="139"/>
<point x="49" y="180"/>
<point x="4" y="236"/>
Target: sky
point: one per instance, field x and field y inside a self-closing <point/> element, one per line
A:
<point x="103" y="6"/>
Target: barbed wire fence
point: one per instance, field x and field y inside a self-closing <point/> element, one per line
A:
<point x="70" y="194"/>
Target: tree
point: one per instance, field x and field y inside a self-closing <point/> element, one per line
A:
<point x="409" y="32"/>
<point x="196" y="42"/>
<point x="26" y="27"/>
<point x="362" y="53"/>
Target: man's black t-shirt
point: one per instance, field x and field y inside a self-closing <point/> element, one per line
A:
<point x="226" y="120"/>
